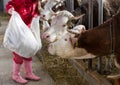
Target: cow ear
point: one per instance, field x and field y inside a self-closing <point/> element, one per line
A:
<point x="83" y="30"/>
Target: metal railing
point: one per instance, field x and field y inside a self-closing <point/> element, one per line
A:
<point x="70" y="7"/>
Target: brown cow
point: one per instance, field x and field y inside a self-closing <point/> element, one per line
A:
<point x="98" y="40"/>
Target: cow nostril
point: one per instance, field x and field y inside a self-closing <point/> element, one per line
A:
<point x="65" y="39"/>
<point x="43" y="15"/>
<point x="47" y="36"/>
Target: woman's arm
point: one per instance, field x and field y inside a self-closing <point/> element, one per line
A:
<point x="10" y="7"/>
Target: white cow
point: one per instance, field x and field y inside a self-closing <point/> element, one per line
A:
<point x="47" y="11"/>
<point x="58" y="26"/>
<point x="64" y="47"/>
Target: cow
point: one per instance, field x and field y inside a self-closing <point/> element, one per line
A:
<point x="90" y="43"/>
<point x="47" y="13"/>
<point x="58" y="26"/>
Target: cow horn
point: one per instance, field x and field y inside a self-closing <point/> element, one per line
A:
<point x="69" y="22"/>
<point x="77" y="17"/>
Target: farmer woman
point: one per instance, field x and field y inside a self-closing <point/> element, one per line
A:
<point x="27" y="9"/>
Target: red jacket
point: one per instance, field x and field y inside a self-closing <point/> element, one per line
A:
<point x="26" y="8"/>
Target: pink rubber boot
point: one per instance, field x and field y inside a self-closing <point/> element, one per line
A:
<point x="28" y="71"/>
<point x="16" y="74"/>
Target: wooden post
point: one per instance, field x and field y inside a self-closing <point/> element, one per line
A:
<point x="90" y="25"/>
<point x="100" y="15"/>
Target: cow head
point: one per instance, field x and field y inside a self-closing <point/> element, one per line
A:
<point x="58" y="26"/>
<point x="54" y="33"/>
<point x="47" y="11"/>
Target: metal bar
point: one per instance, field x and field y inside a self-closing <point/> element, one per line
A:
<point x="100" y="14"/>
<point x="100" y="10"/>
<point x="90" y="13"/>
<point x="90" y="25"/>
<point x="70" y="5"/>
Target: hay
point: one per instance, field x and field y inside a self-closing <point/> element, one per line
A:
<point x="63" y="72"/>
<point x="60" y="69"/>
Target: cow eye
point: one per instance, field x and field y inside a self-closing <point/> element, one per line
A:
<point x="64" y="25"/>
<point x="65" y="39"/>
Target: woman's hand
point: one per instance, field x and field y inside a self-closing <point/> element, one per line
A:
<point x="11" y="10"/>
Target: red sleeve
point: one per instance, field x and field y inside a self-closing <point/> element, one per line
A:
<point x="15" y="4"/>
<point x="9" y="5"/>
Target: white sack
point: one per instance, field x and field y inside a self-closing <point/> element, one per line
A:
<point x="21" y="39"/>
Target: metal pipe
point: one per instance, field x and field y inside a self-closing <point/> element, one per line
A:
<point x="100" y="15"/>
<point x="70" y="5"/>
<point x="90" y="2"/>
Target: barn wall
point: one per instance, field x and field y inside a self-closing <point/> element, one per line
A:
<point x="70" y="5"/>
<point x="3" y="4"/>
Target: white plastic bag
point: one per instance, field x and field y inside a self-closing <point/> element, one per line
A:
<point x="21" y="39"/>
